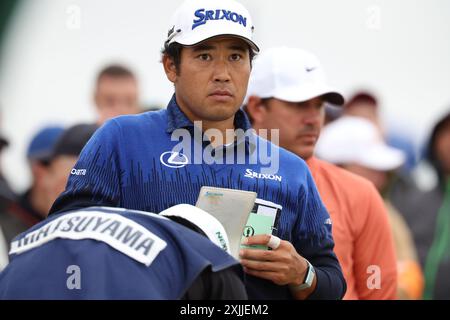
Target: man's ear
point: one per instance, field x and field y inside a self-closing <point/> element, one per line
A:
<point x="256" y="110"/>
<point x="170" y="68"/>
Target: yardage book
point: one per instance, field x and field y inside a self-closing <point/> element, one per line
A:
<point x="232" y="208"/>
<point x="241" y="214"/>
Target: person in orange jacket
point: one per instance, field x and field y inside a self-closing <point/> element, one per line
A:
<point x="367" y="154"/>
<point x="288" y="91"/>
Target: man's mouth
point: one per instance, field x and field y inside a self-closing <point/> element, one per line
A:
<point x="308" y="136"/>
<point x="221" y="95"/>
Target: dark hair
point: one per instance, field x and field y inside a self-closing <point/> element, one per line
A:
<point x="115" y="71"/>
<point x="173" y="51"/>
<point x="362" y="97"/>
<point x="73" y="139"/>
<point x="431" y="152"/>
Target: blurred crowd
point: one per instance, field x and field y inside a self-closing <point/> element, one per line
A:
<point x="353" y="138"/>
<point x="53" y="152"/>
<point x="356" y="139"/>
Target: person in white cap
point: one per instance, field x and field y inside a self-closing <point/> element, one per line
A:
<point x="114" y="253"/>
<point x="288" y="91"/>
<point x="136" y="161"/>
<point x="357" y="145"/>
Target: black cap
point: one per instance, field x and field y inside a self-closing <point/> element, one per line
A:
<point x="73" y="140"/>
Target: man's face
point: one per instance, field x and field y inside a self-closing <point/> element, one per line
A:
<point x="41" y="173"/>
<point x="116" y="96"/>
<point x="299" y="123"/>
<point x="212" y="79"/>
<point x="365" y="110"/>
<point x="59" y="172"/>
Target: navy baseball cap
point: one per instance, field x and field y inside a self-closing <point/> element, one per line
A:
<point x="41" y="146"/>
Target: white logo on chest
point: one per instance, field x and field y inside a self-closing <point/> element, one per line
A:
<point x="173" y="159"/>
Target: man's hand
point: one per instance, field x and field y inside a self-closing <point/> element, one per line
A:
<point x="282" y="265"/>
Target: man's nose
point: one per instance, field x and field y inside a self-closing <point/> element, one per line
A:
<point x="221" y="71"/>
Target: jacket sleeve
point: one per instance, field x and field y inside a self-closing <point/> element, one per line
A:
<point x="313" y="240"/>
<point x="95" y="180"/>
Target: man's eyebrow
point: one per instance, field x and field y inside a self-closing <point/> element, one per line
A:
<point x="238" y="47"/>
<point x="206" y="47"/>
<point x="202" y="47"/>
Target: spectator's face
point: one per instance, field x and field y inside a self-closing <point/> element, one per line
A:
<point x="41" y="173"/>
<point x="442" y="148"/>
<point x="364" y="110"/>
<point x="212" y="79"/>
<point x="299" y="123"/>
<point x="116" y="96"/>
<point x="59" y="172"/>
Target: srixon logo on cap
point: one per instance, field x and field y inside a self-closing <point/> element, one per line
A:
<point x="204" y="15"/>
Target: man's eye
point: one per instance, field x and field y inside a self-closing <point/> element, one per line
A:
<point x="204" y="57"/>
<point x="235" y="57"/>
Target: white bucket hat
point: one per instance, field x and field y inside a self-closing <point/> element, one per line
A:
<point x="351" y="139"/>
<point x="198" y="20"/>
<point x="292" y="75"/>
